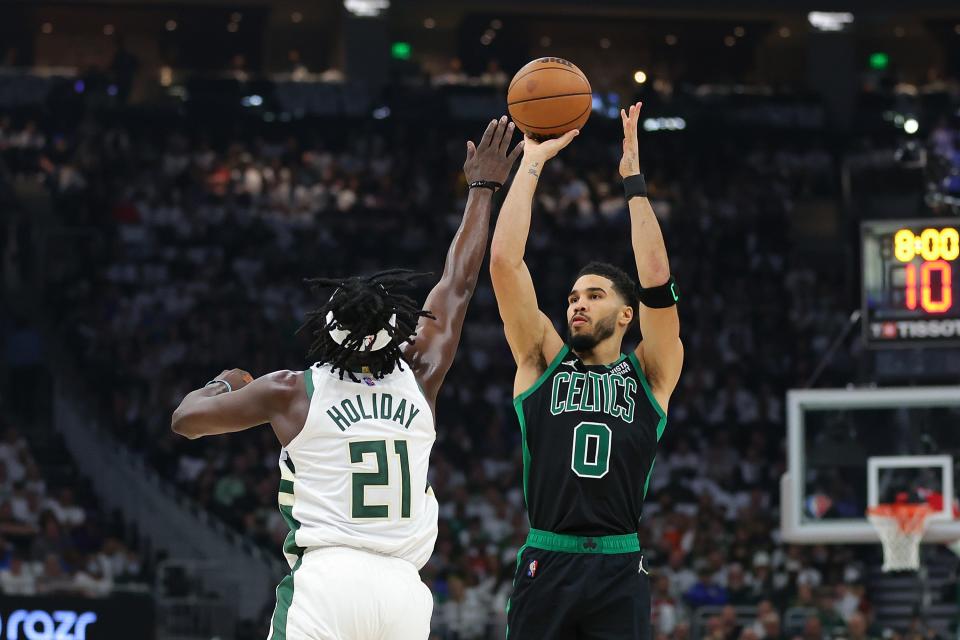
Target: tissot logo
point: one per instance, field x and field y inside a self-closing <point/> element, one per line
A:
<point x="916" y="329"/>
<point x="43" y="625"/>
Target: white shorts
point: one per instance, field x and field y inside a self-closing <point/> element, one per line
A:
<point x="338" y="593"/>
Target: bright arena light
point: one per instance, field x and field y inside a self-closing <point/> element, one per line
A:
<point x="911" y="126"/>
<point x="639" y="77"/>
<point x="366" y="8"/>
<point x="664" y="124"/>
<point x="830" y="20"/>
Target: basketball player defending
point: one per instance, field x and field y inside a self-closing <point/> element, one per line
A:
<point x="356" y="431"/>
<point x="590" y="416"/>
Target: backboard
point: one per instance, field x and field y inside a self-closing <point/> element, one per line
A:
<point x="852" y="448"/>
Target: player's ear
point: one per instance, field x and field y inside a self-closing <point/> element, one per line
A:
<point x="626" y="315"/>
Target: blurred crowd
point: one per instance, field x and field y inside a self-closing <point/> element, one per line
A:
<point x="944" y="161"/>
<point x="196" y="245"/>
<point x="50" y="543"/>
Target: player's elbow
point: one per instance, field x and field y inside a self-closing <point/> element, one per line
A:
<point x="655" y="270"/>
<point x="501" y="264"/>
<point x="184" y="424"/>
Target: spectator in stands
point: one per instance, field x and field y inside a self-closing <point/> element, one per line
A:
<point x="681" y="578"/>
<point x="762" y="583"/>
<point x="663" y="608"/>
<point x="11" y="527"/>
<point x="705" y="592"/>
<point x="857" y="627"/>
<point x="26" y="505"/>
<point x="463" y="615"/>
<point x="804" y="597"/>
<point x="763" y="608"/>
<point x="847" y="601"/>
<point x="17" y="579"/>
<point x="54" y="579"/>
<point x="728" y="620"/>
<point x="93" y="579"/>
<point x="6" y="483"/>
<point x="51" y="542"/>
<point x="738" y="591"/>
<point x="770" y="626"/>
<point x="830" y="619"/>
<point x="812" y="629"/>
<point x="65" y="509"/>
<point x="232" y="486"/>
<point x="13" y="451"/>
<point x="714" y="629"/>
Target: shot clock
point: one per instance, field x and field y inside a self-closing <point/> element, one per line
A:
<point x="911" y="282"/>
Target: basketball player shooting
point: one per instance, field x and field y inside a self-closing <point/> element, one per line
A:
<point x="590" y="416"/>
<point x="356" y="431"/>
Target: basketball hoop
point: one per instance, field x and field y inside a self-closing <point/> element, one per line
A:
<point x="900" y="526"/>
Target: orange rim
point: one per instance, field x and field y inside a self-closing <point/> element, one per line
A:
<point x="911" y="518"/>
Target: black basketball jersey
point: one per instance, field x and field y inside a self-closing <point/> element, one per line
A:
<point x="590" y="436"/>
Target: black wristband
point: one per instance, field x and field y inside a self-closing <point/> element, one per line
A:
<point x="486" y="184"/>
<point x="635" y="186"/>
<point x="666" y="295"/>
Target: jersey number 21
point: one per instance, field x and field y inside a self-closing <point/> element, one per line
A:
<point x="381" y="477"/>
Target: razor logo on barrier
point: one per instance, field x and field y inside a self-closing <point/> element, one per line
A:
<point x="41" y="625"/>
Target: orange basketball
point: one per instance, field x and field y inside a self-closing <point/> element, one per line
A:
<point x="548" y="97"/>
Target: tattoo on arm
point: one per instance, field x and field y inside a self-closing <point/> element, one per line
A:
<point x="533" y="169"/>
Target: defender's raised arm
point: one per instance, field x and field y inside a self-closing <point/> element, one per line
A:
<point x="486" y="167"/>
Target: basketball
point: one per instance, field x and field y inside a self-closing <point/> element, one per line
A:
<point x="548" y="97"/>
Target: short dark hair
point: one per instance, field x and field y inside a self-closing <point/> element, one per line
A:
<point x="623" y="284"/>
<point x="363" y="305"/>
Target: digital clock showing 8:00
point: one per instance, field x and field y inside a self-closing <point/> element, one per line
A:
<point x="910" y="289"/>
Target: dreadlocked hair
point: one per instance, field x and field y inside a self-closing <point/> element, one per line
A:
<point x="363" y="306"/>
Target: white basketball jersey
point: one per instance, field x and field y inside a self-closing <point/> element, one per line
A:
<point x="356" y="476"/>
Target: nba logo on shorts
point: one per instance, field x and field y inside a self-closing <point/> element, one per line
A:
<point x="532" y="569"/>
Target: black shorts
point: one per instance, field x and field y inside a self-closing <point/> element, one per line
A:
<point x="577" y="596"/>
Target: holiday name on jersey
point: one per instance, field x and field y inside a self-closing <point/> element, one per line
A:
<point x="378" y="407"/>
<point x="610" y="393"/>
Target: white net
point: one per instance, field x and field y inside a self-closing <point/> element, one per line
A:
<point x="900" y="532"/>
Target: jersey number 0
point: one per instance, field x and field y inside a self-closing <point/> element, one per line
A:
<point x="591" y="450"/>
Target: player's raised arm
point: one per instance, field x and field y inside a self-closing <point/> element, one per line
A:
<point x="234" y="401"/>
<point x="661" y="351"/>
<point x="530" y="334"/>
<point x="486" y="168"/>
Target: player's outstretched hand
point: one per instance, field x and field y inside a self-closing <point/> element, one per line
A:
<point x="630" y="162"/>
<point x="237" y="378"/>
<point x="490" y="159"/>
<point x="543" y="151"/>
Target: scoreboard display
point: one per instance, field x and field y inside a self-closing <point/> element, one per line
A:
<point x="911" y="284"/>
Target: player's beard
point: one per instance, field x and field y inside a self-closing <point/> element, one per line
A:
<point x="584" y="342"/>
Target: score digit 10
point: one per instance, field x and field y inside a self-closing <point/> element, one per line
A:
<point x="938" y="249"/>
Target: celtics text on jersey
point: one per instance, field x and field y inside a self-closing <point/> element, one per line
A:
<point x="590" y="435"/>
